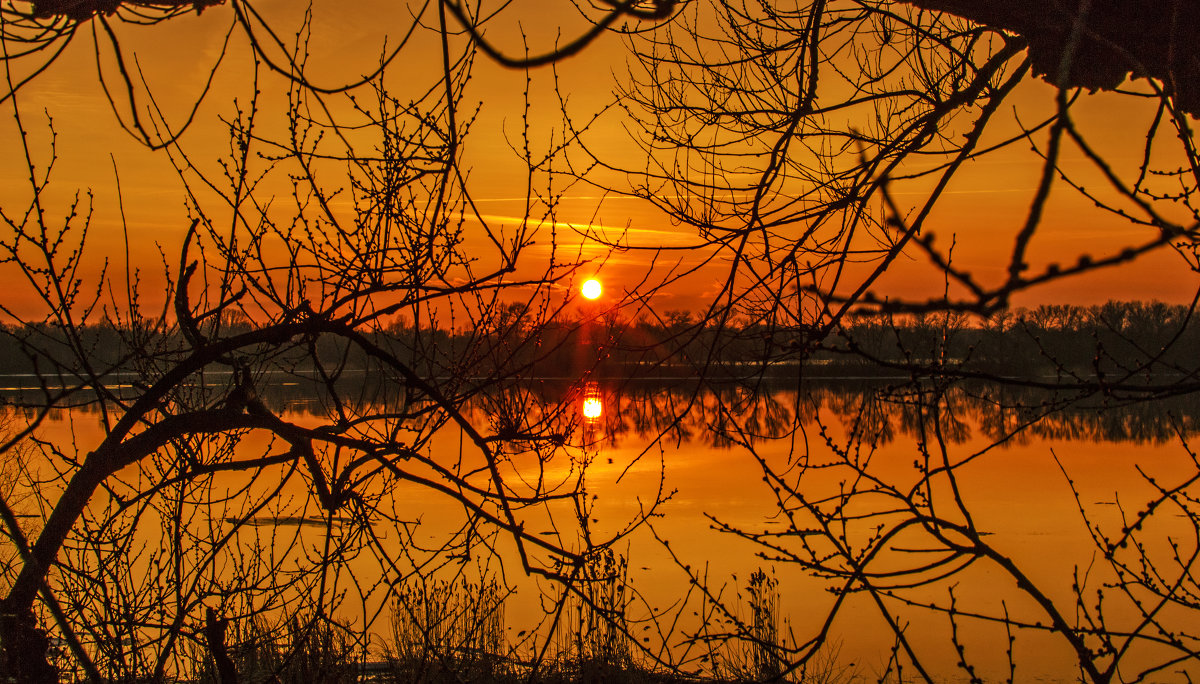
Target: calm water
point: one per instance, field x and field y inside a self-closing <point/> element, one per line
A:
<point x="701" y="487"/>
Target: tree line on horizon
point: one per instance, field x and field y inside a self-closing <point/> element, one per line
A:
<point x="1118" y="339"/>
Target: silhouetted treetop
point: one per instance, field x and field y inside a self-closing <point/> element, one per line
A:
<point x="84" y="9"/>
<point x="1097" y="44"/>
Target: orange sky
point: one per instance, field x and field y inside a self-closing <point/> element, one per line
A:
<point x="984" y="208"/>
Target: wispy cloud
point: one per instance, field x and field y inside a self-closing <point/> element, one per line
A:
<point x="596" y="233"/>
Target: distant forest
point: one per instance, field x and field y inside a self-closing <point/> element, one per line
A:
<point x="1119" y="339"/>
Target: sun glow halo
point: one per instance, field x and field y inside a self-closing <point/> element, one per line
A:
<point x="591" y="289"/>
<point x="592" y="408"/>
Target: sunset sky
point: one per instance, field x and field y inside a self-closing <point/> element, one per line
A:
<point x="984" y="207"/>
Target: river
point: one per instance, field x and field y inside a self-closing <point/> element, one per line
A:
<point x="894" y="525"/>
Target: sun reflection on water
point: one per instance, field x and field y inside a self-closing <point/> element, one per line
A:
<point x="593" y="408"/>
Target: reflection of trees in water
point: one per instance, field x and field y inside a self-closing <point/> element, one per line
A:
<point x="718" y="415"/>
<point x="1034" y="413"/>
<point x="722" y="415"/>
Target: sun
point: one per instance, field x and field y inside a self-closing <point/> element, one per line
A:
<point x="591" y="288"/>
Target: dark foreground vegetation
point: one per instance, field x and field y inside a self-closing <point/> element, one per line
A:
<point x="455" y="631"/>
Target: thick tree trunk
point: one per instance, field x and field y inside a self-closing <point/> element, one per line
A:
<point x="214" y="634"/>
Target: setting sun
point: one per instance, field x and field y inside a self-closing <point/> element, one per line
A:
<point x="591" y="288"/>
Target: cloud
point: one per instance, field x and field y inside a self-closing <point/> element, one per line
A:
<point x="597" y="233"/>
